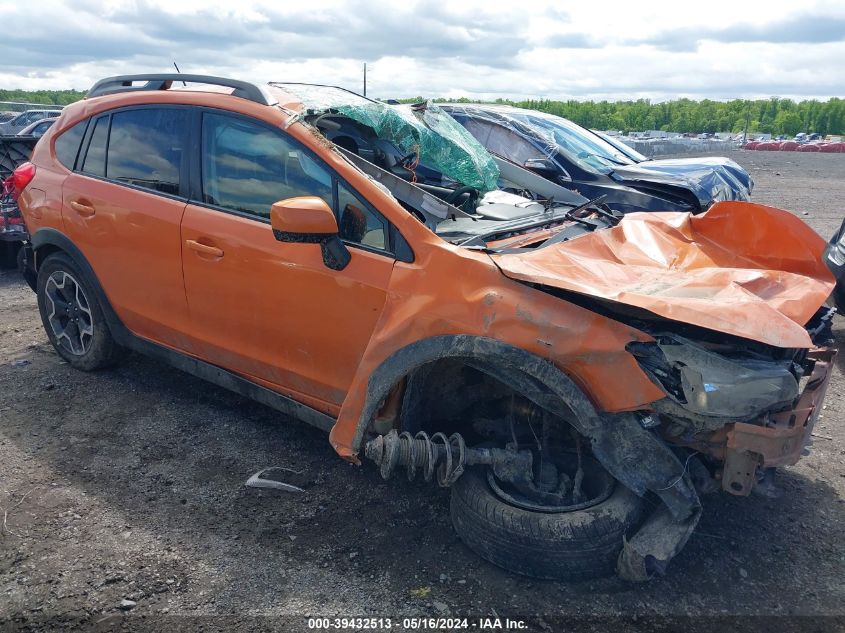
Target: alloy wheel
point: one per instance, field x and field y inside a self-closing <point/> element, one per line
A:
<point x="69" y="313"/>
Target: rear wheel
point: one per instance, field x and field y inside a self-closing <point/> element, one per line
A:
<point x="546" y="534"/>
<point x="72" y="316"/>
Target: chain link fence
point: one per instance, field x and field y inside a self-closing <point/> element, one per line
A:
<point x="670" y="146"/>
<point x="21" y="106"/>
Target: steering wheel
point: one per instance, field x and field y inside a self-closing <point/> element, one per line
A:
<point x="474" y="194"/>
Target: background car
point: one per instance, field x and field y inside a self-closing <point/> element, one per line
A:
<point x="37" y="129"/>
<point x="574" y="157"/>
<point x="834" y="257"/>
<point x="25" y="119"/>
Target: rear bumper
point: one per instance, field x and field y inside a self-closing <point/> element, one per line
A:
<point x="13" y="236"/>
<point x="776" y="439"/>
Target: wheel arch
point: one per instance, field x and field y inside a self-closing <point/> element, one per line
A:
<point x="48" y="241"/>
<point x="632" y="454"/>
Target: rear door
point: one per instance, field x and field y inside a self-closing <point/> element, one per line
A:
<point x="123" y="205"/>
<point x="273" y="310"/>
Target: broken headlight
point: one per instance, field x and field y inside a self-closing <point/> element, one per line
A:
<point x="711" y="384"/>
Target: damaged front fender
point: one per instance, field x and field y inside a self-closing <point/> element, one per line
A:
<point x="635" y="456"/>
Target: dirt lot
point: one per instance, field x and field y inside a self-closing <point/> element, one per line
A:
<point x="128" y="484"/>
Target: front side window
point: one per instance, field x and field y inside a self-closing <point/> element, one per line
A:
<point x="247" y="167"/>
<point x="357" y="223"/>
<point x="502" y="141"/>
<point x="38" y="130"/>
<point x="146" y="147"/>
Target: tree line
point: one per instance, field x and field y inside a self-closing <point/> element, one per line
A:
<point x="773" y="116"/>
<point x="42" y="97"/>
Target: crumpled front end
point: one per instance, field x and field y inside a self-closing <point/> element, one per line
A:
<point x="740" y="269"/>
<point x="747" y="411"/>
<point x="711" y="179"/>
<point x="733" y="300"/>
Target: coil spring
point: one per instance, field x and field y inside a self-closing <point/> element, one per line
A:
<point x="437" y="453"/>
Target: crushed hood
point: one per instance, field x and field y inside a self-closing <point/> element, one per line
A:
<point x="710" y="179"/>
<point x="740" y="268"/>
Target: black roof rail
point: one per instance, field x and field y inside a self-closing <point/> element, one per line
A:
<point x="163" y="81"/>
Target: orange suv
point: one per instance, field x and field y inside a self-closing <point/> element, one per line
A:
<point x="434" y="308"/>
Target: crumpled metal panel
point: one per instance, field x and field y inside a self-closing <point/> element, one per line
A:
<point x="711" y="179"/>
<point x="740" y="268"/>
<point x="443" y="144"/>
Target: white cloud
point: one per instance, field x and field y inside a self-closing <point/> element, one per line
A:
<point x="588" y="50"/>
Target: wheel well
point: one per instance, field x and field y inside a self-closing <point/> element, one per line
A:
<point x="453" y="395"/>
<point x="43" y="252"/>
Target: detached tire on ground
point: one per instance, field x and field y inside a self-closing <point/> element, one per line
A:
<point x="575" y="545"/>
<point x="72" y="316"/>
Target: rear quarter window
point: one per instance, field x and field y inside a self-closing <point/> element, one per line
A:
<point x="95" y="158"/>
<point x="67" y="145"/>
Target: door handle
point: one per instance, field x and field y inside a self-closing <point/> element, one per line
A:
<point x="83" y="209"/>
<point x="205" y="249"/>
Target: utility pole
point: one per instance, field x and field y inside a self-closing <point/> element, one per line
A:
<point x="365" y="79"/>
<point x="745" y="131"/>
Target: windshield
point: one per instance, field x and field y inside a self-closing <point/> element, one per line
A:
<point x="574" y="142"/>
<point x="622" y="147"/>
<point x="424" y="130"/>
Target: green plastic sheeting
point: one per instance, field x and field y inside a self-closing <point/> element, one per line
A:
<point x="443" y="144"/>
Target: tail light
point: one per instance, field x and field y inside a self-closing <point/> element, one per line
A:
<point x="21" y="177"/>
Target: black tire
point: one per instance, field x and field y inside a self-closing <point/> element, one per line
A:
<point x="574" y="545"/>
<point x="98" y="348"/>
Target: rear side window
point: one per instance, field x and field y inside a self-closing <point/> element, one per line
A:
<point x="146" y="146"/>
<point x="95" y="157"/>
<point x="67" y="145"/>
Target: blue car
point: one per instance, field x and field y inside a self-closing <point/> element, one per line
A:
<point x="579" y="159"/>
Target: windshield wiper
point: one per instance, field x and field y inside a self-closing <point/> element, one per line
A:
<point x="481" y="240"/>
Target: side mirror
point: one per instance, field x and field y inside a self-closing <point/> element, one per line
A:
<point x="540" y="164"/>
<point x="309" y="220"/>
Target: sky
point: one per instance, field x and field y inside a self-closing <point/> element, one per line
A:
<point x="478" y="49"/>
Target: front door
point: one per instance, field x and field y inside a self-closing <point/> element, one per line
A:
<point x="267" y="309"/>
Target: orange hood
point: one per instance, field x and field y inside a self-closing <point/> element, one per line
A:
<point x="740" y="268"/>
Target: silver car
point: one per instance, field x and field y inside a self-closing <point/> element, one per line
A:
<point x="25" y="119"/>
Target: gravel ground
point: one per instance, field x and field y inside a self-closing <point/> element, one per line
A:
<point x="127" y="484"/>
